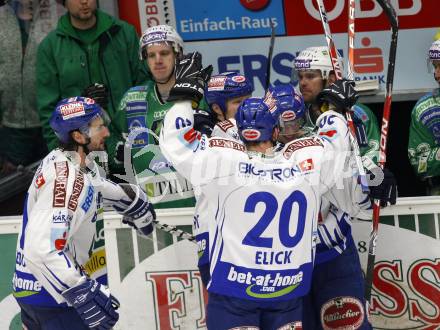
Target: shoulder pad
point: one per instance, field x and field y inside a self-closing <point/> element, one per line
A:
<point x="224" y="143"/>
<point x="293" y="146"/>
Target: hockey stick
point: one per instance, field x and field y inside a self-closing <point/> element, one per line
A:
<point x="392" y="18"/>
<point x="179" y="233"/>
<point x="269" y="56"/>
<point x="351" y="35"/>
<point x="338" y="72"/>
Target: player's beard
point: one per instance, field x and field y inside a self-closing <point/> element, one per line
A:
<point x="84" y="17"/>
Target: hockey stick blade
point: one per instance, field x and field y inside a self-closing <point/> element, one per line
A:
<point x="392" y="18"/>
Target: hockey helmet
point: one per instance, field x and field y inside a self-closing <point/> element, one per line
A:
<point x="225" y="86"/>
<point x="314" y="58"/>
<point x="255" y="121"/>
<point x="75" y="113"/>
<point x="291" y="108"/>
<point x="433" y="54"/>
<point x="160" y="34"/>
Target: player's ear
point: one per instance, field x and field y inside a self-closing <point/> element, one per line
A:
<point x="218" y="112"/>
<point x="78" y="137"/>
<point x="275" y="133"/>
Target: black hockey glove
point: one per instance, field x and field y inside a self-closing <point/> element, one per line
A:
<point x="341" y="94"/>
<point x="361" y="132"/>
<point x="204" y="121"/>
<point x="191" y="79"/>
<point x="97" y="92"/>
<point x="385" y="191"/>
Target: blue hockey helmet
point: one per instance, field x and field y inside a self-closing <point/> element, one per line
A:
<point x="255" y="121"/>
<point x="225" y="86"/>
<point x="290" y="103"/>
<point x="75" y="113"/>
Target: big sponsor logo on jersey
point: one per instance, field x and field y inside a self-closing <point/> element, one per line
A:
<point x="60" y="184"/>
<point x="270" y="172"/>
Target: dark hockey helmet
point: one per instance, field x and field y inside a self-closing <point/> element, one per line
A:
<point x="225" y="86"/>
<point x="75" y="113"/>
<point x="255" y="120"/>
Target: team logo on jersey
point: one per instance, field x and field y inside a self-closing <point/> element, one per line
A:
<point x="39" y="181"/>
<point x="60" y="184"/>
<point x="78" y="185"/>
<point x="250" y="134"/>
<point x="71" y="110"/>
<point x="342" y="313"/>
<point x="306" y="165"/>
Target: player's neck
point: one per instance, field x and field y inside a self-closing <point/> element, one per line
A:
<point x="265" y="147"/>
<point x="164" y="89"/>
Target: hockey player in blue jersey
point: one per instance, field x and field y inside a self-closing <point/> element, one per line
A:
<point x="338" y="282"/>
<point x="58" y="282"/>
<point x="264" y="204"/>
<point x="224" y="94"/>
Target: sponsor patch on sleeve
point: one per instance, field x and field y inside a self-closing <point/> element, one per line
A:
<point x="222" y="143"/>
<point x="225" y="125"/>
<point x="78" y="185"/>
<point x="60" y="184"/>
<point x="299" y="144"/>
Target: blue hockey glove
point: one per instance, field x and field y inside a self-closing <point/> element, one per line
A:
<point x="94" y="304"/>
<point x="138" y="213"/>
<point x="361" y="132"/>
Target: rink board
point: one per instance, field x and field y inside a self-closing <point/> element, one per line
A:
<point x="159" y="287"/>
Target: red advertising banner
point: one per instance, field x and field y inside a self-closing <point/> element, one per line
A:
<point x="302" y="16"/>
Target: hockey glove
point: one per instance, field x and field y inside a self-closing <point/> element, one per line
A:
<point x="204" y="121"/>
<point x="385" y="191"/>
<point x="94" y="304"/>
<point x="97" y="92"/>
<point x="361" y="132"/>
<point x="191" y="79"/>
<point x="341" y="94"/>
<point x="138" y="213"/>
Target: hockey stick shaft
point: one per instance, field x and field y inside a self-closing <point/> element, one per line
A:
<point x="179" y="233"/>
<point x="338" y="72"/>
<point x="392" y="17"/>
<point x="269" y="55"/>
<point x="351" y="36"/>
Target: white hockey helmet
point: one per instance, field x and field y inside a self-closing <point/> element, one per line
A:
<point x="433" y="54"/>
<point x="314" y="58"/>
<point x="160" y="34"/>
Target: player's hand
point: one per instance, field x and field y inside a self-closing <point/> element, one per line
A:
<point x="94" y="304"/>
<point x="204" y="121"/>
<point x="191" y="79"/>
<point x="386" y="191"/>
<point x="97" y="92"/>
<point x="340" y="94"/>
<point x="137" y="212"/>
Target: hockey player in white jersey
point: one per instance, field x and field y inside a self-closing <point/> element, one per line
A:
<point x="224" y="93"/>
<point x="337" y="276"/>
<point x="265" y="205"/>
<point x="57" y="282"/>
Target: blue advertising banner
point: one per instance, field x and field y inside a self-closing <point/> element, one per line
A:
<point x="207" y="20"/>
